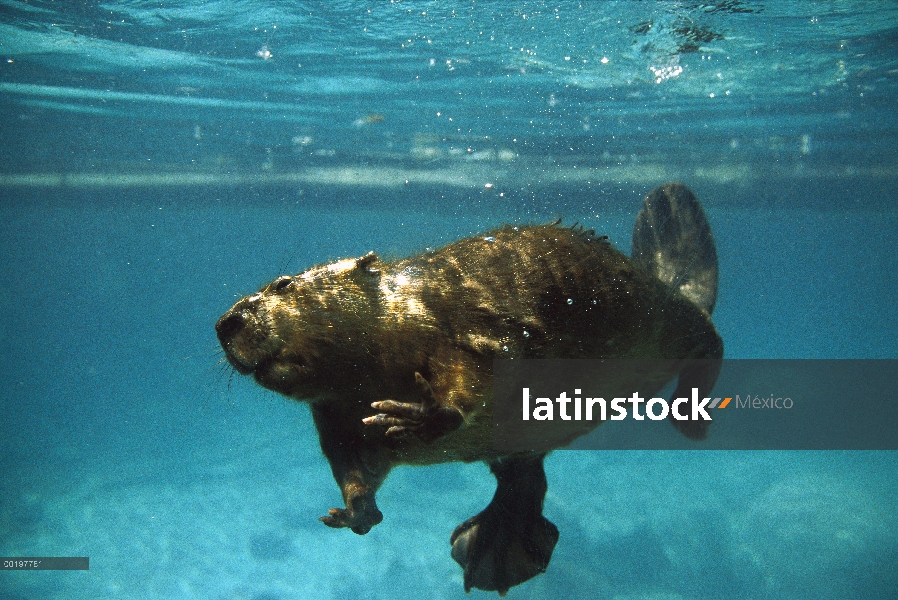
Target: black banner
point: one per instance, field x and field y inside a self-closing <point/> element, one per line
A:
<point x="762" y="404"/>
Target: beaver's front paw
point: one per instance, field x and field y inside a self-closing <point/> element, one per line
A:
<point x="360" y="521"/>
<point x="426" y="419"/>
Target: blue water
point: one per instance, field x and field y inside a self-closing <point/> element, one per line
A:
<point x="160" y="160"/>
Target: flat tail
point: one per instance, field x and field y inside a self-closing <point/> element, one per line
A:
<point x="672" y="240"/>
<point x="701" y="374"/>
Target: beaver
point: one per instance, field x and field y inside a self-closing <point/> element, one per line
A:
<point x="395" y="358"/>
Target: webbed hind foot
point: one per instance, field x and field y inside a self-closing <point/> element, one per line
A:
<point x="510" y="541"/>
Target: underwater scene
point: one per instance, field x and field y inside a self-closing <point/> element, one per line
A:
<point x="161" y="160"/>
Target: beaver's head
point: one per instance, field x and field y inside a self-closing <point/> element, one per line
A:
<point x="295" y="331"/>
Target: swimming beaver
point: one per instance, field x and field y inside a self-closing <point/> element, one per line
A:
<point x="395" y="359"/>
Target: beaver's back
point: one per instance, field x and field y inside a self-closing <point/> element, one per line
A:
<point x="548" y="292"/>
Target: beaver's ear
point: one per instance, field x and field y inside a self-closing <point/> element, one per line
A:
<point x="365" y="263"/>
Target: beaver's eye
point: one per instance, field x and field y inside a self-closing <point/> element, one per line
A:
<point x="281" y="283"/>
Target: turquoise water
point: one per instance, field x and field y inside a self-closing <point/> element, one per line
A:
<point x="160" y="160"/>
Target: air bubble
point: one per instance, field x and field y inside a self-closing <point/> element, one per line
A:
<point x="570" y="300"/>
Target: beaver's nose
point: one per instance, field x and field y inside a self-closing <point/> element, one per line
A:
<point x="229" y="325"/>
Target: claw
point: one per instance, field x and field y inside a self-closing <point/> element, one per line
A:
<point x="336" y="518"/>
<point x="413" y="411"/>
<point x="359" y="522"/>
<point x="425" y="418"/>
